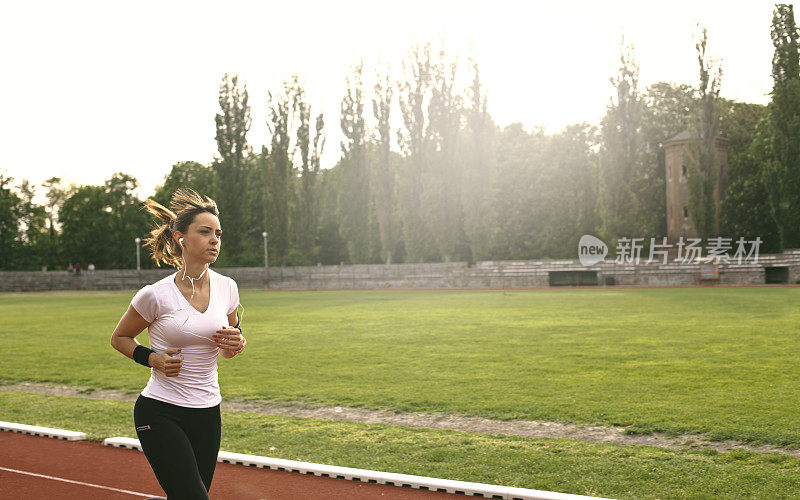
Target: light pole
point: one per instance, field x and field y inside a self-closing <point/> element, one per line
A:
<point x="138" y="268"/>
<point x="266" y="255"/>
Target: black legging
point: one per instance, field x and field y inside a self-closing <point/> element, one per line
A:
<point x="181" y="445"/>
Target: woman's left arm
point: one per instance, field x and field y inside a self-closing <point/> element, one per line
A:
<point x="227" y="350"/>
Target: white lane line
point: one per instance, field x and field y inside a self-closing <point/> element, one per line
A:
<point x="79" y="482"/>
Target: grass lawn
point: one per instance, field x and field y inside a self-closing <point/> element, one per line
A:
<point x="718" y="361"/>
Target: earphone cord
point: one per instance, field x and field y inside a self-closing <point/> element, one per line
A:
<point x="241" y="318"/>
<point x="191" y="280"/>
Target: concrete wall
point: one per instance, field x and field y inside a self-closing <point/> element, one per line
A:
<point x="485" y="274"/>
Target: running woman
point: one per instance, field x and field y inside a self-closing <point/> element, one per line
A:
<point x="177" y="415"/>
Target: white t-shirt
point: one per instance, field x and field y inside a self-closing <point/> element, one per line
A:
<point x="174" y="323"/>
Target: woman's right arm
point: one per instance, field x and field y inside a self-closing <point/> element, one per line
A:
<point x="123" y="339"/>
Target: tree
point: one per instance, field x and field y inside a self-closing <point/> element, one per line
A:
<point x="33" y="219"/>
<point x="186" y="174"/>
<point x="317" y="148"/>
<point x="546" y="192"/>
<point x="9" y="224"/>
<point x="571" y="190"/>
<point x="306" y="213"/>
<point x="704" y="178"/>
<point x="479" y="160"/>
<point x="443" y="180"/>
<point x="100" y="224"/>
<point x="383" y="173"/>
<point x="333" y="249"/>
<point x="781" y="171"/>
<point x="56" y="194"/>
<point x="622" y="158"/>
<point x="276" y="171"/>
<point x="745" y="206"/>
<point x="88" y="231"/>
<point x="232" y="125"/>
<point x="128" y="221"/>
<point x="414" y="142"/>
<point x="517" y="215"/>
<point x="354" y="190"/>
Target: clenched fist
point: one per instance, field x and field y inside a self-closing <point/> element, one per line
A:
<point x="169" y="361"/>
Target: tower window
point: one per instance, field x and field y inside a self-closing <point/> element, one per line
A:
<point x="685" y="212"/>
<point x="683" y="170"/>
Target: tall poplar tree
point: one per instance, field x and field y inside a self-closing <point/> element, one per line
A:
<point x="444" y="183"/>
<point x="277" y="173"/>
<point x="310" y="151"/>
<point x="232" y="124"/>
<point x="704" y="180"/>
<point x="383" y="174"/>
<point x="621" y="155"/>
<point x="354" y="187"/>
<point x="414" y="93"/>
<point x="781" y="171"/>
<point x="478" y="159"/>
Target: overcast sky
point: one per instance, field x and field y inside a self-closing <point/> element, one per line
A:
<point x="93" y="88"/>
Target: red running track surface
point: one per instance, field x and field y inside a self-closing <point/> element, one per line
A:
<point x="128" y="471"/>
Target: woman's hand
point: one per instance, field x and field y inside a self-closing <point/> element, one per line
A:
<point x="169" y="362"/>
<point x="229" y="339"/>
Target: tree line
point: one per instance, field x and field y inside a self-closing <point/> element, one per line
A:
<point x="449" y="183"/>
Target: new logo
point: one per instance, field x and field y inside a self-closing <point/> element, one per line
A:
<point x="591" y="250"/>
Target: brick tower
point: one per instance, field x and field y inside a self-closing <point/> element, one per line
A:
<point x="679" y="222"/>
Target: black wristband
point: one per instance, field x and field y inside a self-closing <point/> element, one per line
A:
<point x="142" y="355"/>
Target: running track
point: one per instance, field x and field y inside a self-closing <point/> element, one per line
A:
<point x="35" y="468"/>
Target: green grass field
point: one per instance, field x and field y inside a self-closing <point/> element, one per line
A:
<point x="722" y="362"/>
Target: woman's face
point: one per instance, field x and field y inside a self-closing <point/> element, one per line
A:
<point x="202" y="237"/>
